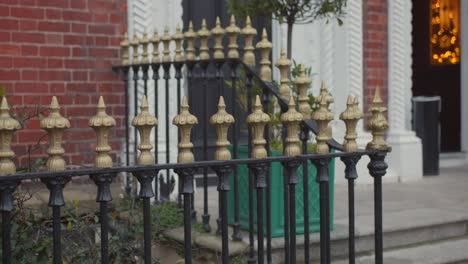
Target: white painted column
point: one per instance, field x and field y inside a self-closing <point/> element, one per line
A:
<point x="405" y="160"/>
<point x="464" y="74"/>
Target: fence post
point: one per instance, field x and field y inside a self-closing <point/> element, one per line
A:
<point x="185" y="121"/>
<point x="377" y="167"/>
<point x="8" y="126"/>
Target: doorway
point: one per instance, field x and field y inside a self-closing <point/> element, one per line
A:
<point x="436" y="63"/>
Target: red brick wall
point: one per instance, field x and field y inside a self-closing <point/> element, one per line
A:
<point x="63" y="48"/>
<point x="375" y="49"/>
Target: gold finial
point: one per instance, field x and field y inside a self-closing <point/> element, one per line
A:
<point x="190" y="36"/>
<point x="324" y="92"/>
<point x="145" y="122"/>
<point x="257" y="120"/>
<point x="218" y="33"/>
<point x="135" y="43"/>
<point x="249" y="33"/>
<point x="101" y="123"/>
<point x="378" y="124"/>
<point x="232" y="31"/>
<point x="265" y="47"/>
<point x="166" y="40"/>
<point x="185" y="121"/>
<point x="54" y="125"/>
<point x="302" y="84"/>
<point x="291" y="120"/>
<point x="322" y="116"/>
<point x="283" y="64"/>
<point x="144" y="42"/>
<point x="8" y="126"/>
<point x="155" y="41"/>
<point x="222" y="120"/>
<point x="204" y="34"/>
<point x="178" y="37"/>
<point x="351" y="117"/>
<point x="125" y="46"/>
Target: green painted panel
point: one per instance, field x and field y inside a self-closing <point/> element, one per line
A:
<point x="277" y="191"/>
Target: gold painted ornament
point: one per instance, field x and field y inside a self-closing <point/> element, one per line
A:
<point x="257" y="120"/>
<point x="291" y="119"/>
<point x="145" y="122"/>
<point x="55" y="125"/>
<point x="222" y="120"/>
<point x="8" y="126"/>
<point x="101" y="123"/>
<point x="185" y="121"/>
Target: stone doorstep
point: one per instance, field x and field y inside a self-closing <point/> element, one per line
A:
<point x="452" y="251"/>
<point x="208" y="241"/>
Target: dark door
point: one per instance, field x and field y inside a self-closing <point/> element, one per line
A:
<point x="195" y="11"/>
<point x="436" y="62"/>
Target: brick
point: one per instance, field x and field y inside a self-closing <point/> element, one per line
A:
<point x="27" y="2"/>
<point x="9" y="49"/>
<point x="79" y="52"/>
<point x="28" y="37"/>
<point x="54" y="26"/>
<point x="57" y="51"/>
<point x="6" y="62"/>
<point x="4" y="11"/>
<point x="54" y="63"/>
<point x="77" y="64"/>
<point x="57" y="88"/>
<point x="103" y="52"/>
<point x="53" y="14"/>
<point x="101" y="29"/>
<point x="29" y="87"/>
<point x="28" y="13"/>
<point x="102" y="5"/>
<point x="25" y="62"/>
<point x="53" y="75"/>
<point x="74" y="40"/>
<point x="28" y="25"/>
<point x="78" y="4"/>
<point x="9" y="24"/>
<point x="5" y="36"/>
<point x="28" y="50"/>
<point x="54" y="3"/>
<point x="77" y="16"/>
<point x="115" y="18"/>
<point x="29" y="75"/>
<point x="101" y="18"/>
<point x="80" y="75"/>
<point x="78" y="28"/>
<point x="102" y="41"/>
<point x="54" y="39"/>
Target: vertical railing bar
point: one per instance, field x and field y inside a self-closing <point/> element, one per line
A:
<point x="167" y="184"/>
<point x="223" y="173"/>
<point x="6" y="237"/>
<point x="305" y="184"/>
<point x="147" y="229"/>
<point x="6" y="206"/>
<point x="266" y="105"/>
<point x="287" y="252"/>
<point x="351" y="176"/>
<point x="178" y="75"/>
<point x="125" y="72"/>
<point x="236" y="234"/>
<point x="248" y="84"/>
<point x="135" y="108"/>
<point x="206" y="215"/>
<point x="145" y="70"/>
<point x="190" y="65"/>
<point x="56" y="234"/>
<point x="377" y="169"/>
<point x="378" y="220"/>
<point x="322" y="179"/>
<point x="103" y="196"/>
<point x="155" y="67"/>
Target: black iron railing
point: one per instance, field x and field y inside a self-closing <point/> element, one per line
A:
<point x="228" y="69"/>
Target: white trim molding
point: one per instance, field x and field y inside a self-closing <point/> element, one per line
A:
<point x="464" y="75"/>
<point x="405" y="161"/>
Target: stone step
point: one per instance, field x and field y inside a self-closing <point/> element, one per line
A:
<point x="424" y="226"/>
<point x="443" y="252"/>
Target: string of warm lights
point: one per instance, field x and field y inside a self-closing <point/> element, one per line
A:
<point x="445" y="44"/>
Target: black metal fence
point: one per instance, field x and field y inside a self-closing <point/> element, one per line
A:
<point x="260" y="246"/>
